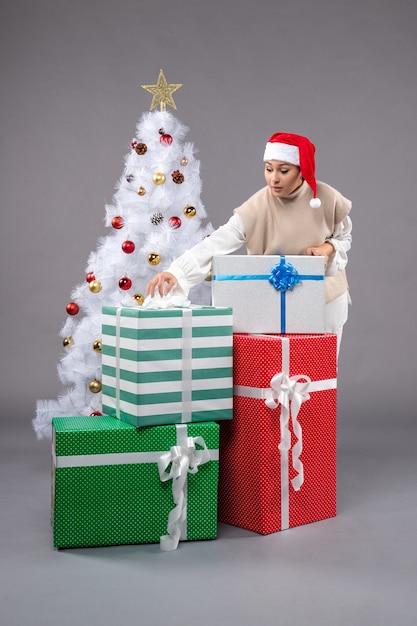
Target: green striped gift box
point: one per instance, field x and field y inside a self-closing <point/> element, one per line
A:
<point x="167" y="366"/>
<point x="107" y="488"/>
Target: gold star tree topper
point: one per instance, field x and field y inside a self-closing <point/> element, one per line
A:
<point x="162" y="92"/>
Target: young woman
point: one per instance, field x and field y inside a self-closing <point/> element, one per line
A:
<point x="293" y="214"/>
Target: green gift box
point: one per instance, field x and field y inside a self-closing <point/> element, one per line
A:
<point x="115" y="484"/>
<point x="167" y="366"/>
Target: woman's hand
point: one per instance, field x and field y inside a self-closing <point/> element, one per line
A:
<point x="158" y="281"/>
<point x="326" y="249"/>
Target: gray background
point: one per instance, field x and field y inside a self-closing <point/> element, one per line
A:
<point x="344" y="74"/>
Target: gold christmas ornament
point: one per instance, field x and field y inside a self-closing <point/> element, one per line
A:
<point x="154" y="258"/>
<point x="97" y="346"/>
<point x="95" y="386"/>
<point x="141" y="191"/>
<point x="189" y="211"/>
<point x="139" y="298"/>
<point x="209" y="276"/>
<point x="94" y="286"/>
<point x="162" y="92"/>
<point x="159" y="178"/>
<point x="67" y="342"/>
<point x="184" y="161"/>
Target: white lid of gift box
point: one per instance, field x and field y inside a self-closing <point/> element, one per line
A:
<point x="271" y="293"/>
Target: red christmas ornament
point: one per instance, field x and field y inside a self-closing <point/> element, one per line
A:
<point x="96" y="413"/>
<point x="90" y="277"/>
<point x="128" y="247"/>
<point x="125" y="283"/>
<point x="166" y="139"/>
<point x="72" y="308"/>
<point x="174" y="221"/>
<point x="117" y="222"/>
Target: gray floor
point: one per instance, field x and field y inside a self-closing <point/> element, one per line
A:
<point x="358" y="568"/>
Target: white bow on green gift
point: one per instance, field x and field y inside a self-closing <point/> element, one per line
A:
<point x="181" y="460"/>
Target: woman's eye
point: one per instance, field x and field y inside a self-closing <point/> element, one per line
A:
<point x="284" y="171"/>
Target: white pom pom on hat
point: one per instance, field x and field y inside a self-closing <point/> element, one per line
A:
<point x="297" y="150"/>
<point x="315" y="203"/>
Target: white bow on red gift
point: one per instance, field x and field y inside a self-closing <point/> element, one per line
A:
<point x="289" y="393"/>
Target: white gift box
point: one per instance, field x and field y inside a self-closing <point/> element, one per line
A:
<point x="271" y="293"/>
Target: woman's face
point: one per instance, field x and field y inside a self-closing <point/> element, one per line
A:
<point x="282" y="178"/>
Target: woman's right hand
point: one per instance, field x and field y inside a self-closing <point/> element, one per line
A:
<point x="158" y="282"/>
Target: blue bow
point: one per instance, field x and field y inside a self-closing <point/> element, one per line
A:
<point x="284" y="277"/>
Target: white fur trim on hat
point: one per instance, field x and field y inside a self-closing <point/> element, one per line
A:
<point x="282" y="152"/>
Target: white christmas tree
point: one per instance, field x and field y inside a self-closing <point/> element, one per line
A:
<point x="156" y="215"/>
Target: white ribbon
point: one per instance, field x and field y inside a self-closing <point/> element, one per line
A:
<point x="290" y="394"/>
<point x="169" y="301"/>
<point x="184" y="459"/>
<point x="118" y="316"/>
<point x="187" y="365"/>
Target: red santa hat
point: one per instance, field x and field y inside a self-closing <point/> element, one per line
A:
<point x="297" y="150"/>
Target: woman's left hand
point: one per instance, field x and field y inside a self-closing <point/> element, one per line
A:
<point x="326" y="249"/>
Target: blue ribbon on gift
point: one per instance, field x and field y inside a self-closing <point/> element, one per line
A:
<point x="284" y="277"/>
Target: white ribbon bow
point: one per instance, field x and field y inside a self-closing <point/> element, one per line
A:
<point x="171" y="300"/>
<point x="290" y="394"/>
<point x="184" y="460"/>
